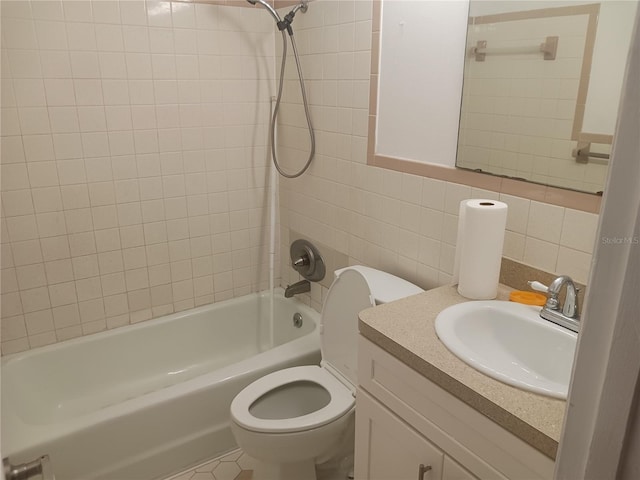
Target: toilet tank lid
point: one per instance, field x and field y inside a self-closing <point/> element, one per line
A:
<point x="384" y="287"/>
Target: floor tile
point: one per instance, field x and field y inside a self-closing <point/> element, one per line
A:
<point x="232" y="466"/>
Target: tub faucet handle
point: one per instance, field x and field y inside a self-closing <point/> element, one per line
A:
<point x="300" y="262"/>
<point x="306" y="260"/>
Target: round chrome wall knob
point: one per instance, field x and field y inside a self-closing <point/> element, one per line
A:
<point x="307" y="261"/>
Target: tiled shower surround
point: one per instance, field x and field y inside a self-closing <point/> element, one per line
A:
<point x="134" y="166"/>
<point x="135" y="174"/>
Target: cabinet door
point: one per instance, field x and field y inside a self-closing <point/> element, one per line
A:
<point x="453" y="471"/>
<point x="389" y="449"/>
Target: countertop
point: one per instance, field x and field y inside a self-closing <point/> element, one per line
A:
<point x="405" y="329"/>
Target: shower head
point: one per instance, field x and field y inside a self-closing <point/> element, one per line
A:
<point x="272" y="11"/>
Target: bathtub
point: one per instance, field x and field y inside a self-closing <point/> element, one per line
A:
<point x="148" y="400"/>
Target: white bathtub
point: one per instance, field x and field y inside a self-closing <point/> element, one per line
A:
<point x="147" y="400"/>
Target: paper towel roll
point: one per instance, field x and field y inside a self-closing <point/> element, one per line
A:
<point x="481" y="226"/>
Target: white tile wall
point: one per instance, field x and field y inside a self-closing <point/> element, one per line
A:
<point x="133" y="161"/>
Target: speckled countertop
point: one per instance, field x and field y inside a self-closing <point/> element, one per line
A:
<point x="405" y="329"/>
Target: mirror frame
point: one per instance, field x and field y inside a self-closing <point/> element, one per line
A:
<point x="583" y="201"/>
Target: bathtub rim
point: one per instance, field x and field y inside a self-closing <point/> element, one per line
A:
<point x="278" y="292"/>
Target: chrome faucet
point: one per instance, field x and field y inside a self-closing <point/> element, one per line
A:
<point x="564" y="315"/>
<point x="302" y="286"/>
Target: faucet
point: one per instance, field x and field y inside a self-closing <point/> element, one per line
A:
<point x="564" y="315"/>
<point x="299" y="287"/>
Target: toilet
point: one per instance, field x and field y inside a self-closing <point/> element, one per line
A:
<point x="295" y="418"/>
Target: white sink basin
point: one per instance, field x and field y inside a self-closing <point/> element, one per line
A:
<point x="511" y="343"/>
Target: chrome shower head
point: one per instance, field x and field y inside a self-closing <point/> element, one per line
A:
<point x="272" y="11"/>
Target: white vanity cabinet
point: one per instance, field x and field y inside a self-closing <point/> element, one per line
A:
<point x="403" y="421"/>
<point x="453" y="471"/>
<point x="395" y="451"/>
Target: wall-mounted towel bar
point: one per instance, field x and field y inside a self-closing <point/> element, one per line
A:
<point x="548" y="48"/>
<point x="582" y="153"/>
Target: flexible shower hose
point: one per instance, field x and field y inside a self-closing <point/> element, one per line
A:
<point x="276" y="108"/>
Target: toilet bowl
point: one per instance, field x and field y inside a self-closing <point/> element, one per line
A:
<point x="295" y="418"/>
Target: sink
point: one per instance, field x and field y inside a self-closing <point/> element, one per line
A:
<point x="511" y="343"/>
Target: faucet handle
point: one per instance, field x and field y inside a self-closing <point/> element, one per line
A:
<point x="552" y="296"/>
<point x="301" y="262"/>
<point x="537" y="286"/>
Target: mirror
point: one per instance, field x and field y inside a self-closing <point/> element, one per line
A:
<point x="541" y="88"/>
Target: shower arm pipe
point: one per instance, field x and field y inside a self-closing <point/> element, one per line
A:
<point x="271" y="10"/>
<point x="288" y="18"/>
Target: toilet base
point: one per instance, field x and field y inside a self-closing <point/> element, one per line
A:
<point x="294" y="455"/>
<point x="285" y="471"/>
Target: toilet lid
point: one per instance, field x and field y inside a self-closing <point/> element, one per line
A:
<point x="349" y="295"/>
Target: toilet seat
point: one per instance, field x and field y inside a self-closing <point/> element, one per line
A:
<point x="341" y="402"/>
<point x="348" y="295"/>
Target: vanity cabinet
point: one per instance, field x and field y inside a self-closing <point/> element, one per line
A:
<point x="395" y="451"/>
<point x="453" y="471"/>
<point x="403" y="421"/>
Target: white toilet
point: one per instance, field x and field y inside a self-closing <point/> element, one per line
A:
<point x="292" y="419"/>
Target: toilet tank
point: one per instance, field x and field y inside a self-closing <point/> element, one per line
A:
<point x="384" y="287"/>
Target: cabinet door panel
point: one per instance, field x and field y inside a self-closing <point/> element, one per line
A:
<point x="389" y="448"/>
<point x="452" y="471"/>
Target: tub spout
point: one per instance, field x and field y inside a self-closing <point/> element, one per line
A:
<point x="299" y="287"/>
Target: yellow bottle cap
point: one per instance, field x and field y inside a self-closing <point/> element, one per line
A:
<point x="528" y="298"/>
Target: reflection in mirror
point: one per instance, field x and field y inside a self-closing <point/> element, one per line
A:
<point x="542" y="84"/>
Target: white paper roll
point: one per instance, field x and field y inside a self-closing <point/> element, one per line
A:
<point x="481" y="226"/>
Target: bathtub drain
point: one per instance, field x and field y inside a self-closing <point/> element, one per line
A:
<point x="297" y="320"/>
